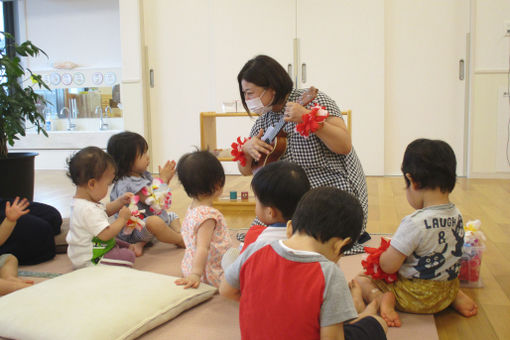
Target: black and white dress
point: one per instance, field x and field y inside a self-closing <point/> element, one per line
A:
<point x="322" y="166"/>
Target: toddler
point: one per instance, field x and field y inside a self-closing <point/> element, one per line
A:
<point x="204" y="230"/>
<point x="293" y="289"/>
<point x="427" y="246"/>
<point x="130" y="152"/>
<point x="91" y="236"/>
<point x="278" y="187"/>
<point x="9" y="280"/>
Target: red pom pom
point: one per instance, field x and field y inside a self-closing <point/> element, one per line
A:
<point x="237" y="150"/>
<point x="371" y="263"/>
<point x="310" y="121"/>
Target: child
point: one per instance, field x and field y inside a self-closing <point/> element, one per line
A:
<point x="130" y="152"/>
<point x="427" y="246"/>
<point x="91" y="236"/>
<point x="204" y="230"/>
<point x="278" y="187"/>
<point x="9" y="281"/>
<point x="293" y="289"/>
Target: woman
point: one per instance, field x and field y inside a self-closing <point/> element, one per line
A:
<point x="32" y="240"/>
<point x="326" y="154"/>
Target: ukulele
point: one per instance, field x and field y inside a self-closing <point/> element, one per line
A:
<point x="275" y="136"/>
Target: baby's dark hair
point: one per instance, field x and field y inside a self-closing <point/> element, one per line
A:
<point x="326" y="212"/>
<point x="200" y="173"/>
<point x="431" y="163"/>
<point x="88" y="163"/>
<point x="125" y="147"/>
<point x="280" y="185"/>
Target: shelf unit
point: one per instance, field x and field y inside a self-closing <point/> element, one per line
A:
<point x="208" y="131"/>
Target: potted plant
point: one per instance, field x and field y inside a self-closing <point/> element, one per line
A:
<point x="18" y="106"/>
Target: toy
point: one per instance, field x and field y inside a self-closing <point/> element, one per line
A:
<point x="371" y="263"/>
<point x="472" y="251"/>
<point x="158" y="195"/>
<point x="136" y="221"/>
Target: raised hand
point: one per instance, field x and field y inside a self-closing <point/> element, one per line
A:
<point x="167" y="171"/>
<point x="17" y="209"/>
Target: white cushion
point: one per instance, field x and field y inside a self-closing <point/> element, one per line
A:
<point x="100" y="302"/>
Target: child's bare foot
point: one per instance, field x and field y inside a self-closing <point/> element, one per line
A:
<point x="357" y="296"/>
<point x="464" y="304"/>
<point x="370" y="310"/>
<point x="388" y="312"/>
<point x="137" y="248"/>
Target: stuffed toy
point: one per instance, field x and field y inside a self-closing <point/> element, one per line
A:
<point x="371" y="263"/>
<point x="158" y="195"/>
<point x="136" y="220"/>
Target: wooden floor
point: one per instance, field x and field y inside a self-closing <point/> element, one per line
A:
<point x="484" y="199"/>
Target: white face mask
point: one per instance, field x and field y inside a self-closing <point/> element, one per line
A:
<point x="255" y="105"/>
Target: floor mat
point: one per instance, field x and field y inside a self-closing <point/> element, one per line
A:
<point x="218" y="318"/>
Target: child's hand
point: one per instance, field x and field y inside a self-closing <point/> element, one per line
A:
<point x="192" y="280"/>
<point x="126" y="198"/>
<point x="17" y="209"/>
<point x="125" y="213"/>
<point x="167" y="171"/>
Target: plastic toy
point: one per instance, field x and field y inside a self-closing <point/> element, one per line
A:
<point x="233" y="195"/>
<point x="472" y="251"/>
<point x="136" y="221"/>
<point x="158" y="195"/>
<point x="371" y="263"/>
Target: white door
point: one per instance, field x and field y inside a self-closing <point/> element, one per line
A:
<point x="425" y="40"/>
<point x="342" y="53"/>
<point x="196" y="49"/>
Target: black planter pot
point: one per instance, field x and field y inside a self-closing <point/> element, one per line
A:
<point x="17" y="175"/>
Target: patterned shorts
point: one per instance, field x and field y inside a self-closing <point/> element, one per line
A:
<point x="421" y="296"/>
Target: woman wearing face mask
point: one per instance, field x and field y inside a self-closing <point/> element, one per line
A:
<point x="326" y="154"/>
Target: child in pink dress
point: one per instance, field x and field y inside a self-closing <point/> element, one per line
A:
<point x="203" y="230"/>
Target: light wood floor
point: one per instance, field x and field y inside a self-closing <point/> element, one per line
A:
<point x="484" y="199"/>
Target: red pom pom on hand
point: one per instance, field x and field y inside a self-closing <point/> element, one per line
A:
<point x="237" y="150"/>
<point x="312" y="121"/>
<point x="371" y="263"/>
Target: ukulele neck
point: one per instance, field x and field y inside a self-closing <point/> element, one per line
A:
<point x="273" y="131"/>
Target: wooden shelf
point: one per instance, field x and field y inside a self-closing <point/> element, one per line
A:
<point x="208" y="139"/>
<point x="226" y="205"/>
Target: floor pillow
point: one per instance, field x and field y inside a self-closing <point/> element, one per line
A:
<point x="100" y="302"/>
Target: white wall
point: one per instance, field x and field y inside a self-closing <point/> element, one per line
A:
<point x="132" y="85"/>
<point x="86" y="32"/>
<point x="491" y="67"/>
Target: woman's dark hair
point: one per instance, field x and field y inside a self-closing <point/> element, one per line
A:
<point x="88" y="163"/>
<point x="125" y="147"/>
<point x="431" y="163"/>
<point x="200" y="173"/>
<point x="265" y="72"/>
<point x="280" y="185"/>
<point x="326" y="212"/>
